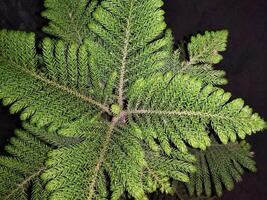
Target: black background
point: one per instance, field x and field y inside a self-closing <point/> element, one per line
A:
<point x="244" y="61"/>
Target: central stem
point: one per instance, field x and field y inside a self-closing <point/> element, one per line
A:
<point x="124" y="57"/>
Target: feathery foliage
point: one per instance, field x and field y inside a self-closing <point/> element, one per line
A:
<point x="24" y="162"/>
<point x="220" y="165"/>
<point x="129" y="165"/>
<point x="186" y="106"/>
<point x="203" y="52"/>
<point x="68" y="19"/>
<point x="206" y="48"/>
<point x="21" y="169"/>
<point x="116" y="106"/>
<point x="131" y="40"/>
<point x="45" y="98"/>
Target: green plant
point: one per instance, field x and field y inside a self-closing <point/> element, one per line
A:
<point x="112" y="111"/>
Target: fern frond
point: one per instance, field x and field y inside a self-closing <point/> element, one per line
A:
<point x="220" y="166"/>
<point x="19" y="48"/>
<point x="130" y="38"/>
<point x="114" y="125"/>
<point x="202" y="71"/>
<point x="69" y="19"/>
<point x="203" y="53"/>
<point x="110" y="157"/>
<point x="20" y="172"/>
<point x="25" y="162"/>
<point x="206" y="48"/>
<point x="51" y="99"/>
<point x="181" y="109"/>
<point x="83" y="167"/>
<point x="161" y="169"/>
<point x="52" y="138"/>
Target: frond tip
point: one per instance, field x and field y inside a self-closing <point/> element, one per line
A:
<point x="204" y="53"/>
<point x="68" y="19"/>
<point x="218" y="166"/>
<point x="206" y="48"/>
<point x="203" y="71"/>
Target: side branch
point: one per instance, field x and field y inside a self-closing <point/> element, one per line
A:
<point x="175" y="113"/>
<point x="124" y="59"/>
<point x="25" y="182"/>
<point x="101" y="157"/>
<point x="67" y="89"/>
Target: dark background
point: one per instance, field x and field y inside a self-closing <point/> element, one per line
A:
<point x="244" y="61"/>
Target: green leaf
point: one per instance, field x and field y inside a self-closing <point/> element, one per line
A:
<point x="202" y="71"/>
<point x="180" y="109"/>
<point x="220" y="165"/>
<point x="206" y="48"/>
<point x="24" y="162"/>
<point x="20" y="171"/>
<point x="68" y="19"/>
<point x="130" y="38"/>
<point x="97" y="93"/>
<point x="203" y="54"/>
<point x="110" y="157"/>
<point x="54" y="98"/>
